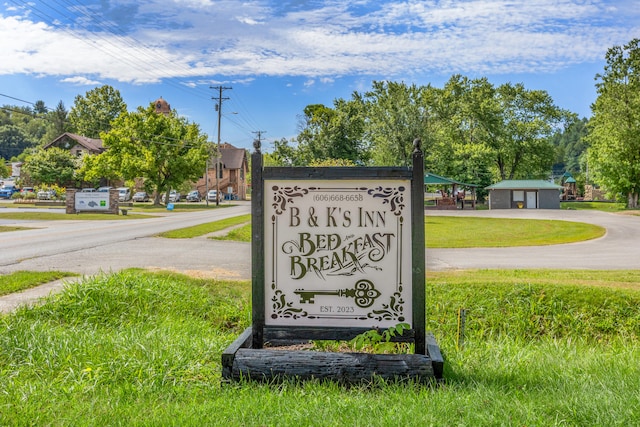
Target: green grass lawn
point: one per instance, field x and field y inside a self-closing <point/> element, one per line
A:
<point x="202" y="229"/>
<point x="178" y="207"/>
<point x="541" y="348"/>
<point x="601" y="206"/>
<point x="6" y="228"/>
<point x="20" y="280"/>
<point x="470" y="232"/>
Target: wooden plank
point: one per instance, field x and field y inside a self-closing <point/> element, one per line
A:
<point x="243" y="341"/>
<point x="270" y="365"/>
<point x="433" y="351"/>
<point x="257" y="247"/>
<point x="336" y="173"/>
<point x="298" y="333"/>
<point x="418" y="243"/>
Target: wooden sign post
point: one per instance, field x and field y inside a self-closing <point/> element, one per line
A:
<point x="336" y="252"/>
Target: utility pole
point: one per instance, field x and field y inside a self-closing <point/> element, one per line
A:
<point x="219" y="110"/>
<point x="259" y="133"/>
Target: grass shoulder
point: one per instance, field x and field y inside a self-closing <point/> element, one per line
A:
<point x="207" y="228"/>
<point x="7" y="228"/>
<point x="529" y="340"/>
<point x="21" y="280"/>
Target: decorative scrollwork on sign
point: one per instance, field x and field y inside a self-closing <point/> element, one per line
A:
<point x="282" y="308"/>
<point x="392" y="196"/>
<point x="284" y="195"/>
<point x="391" y="311"/>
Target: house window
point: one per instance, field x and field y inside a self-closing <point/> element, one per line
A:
<point x="518" y="195"/>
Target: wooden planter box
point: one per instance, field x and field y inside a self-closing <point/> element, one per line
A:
<point x="240" y="361"/>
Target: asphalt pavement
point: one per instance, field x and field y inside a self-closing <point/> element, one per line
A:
<point x="619" y="248"/>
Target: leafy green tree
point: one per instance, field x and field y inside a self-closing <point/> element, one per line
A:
<point x="58" y="121"/>
<point x="395" y="114"/>
<point x="570" y="146"/>
<point x="4" y="170"/>
<point x="614" y="128"/>
<point x="40" y="107"/>
<point x="94" y="113"/>
<point x="283" y="154"/>
<point x="332" y="133"/>
<point x="529" y="120"/>
<point x="13" y="141"/>
<point x="51" y="166"/>
<point x="165" y="151"/>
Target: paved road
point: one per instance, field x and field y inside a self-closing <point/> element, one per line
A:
<point x="90" y="247"/>
<point x="618" y="249"/>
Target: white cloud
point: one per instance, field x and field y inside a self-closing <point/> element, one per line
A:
<point x="145" y="42"/>
<point x="81" y="81"/>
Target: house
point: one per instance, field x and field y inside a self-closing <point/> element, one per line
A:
<point x="527" y="194"/>
<point x="232" y="177"/>
<point x="77" y="144"/>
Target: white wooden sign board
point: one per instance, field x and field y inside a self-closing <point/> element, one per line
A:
<point x="337" y="252"/>
<point x="94" y="201"/>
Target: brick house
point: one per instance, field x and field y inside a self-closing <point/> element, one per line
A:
<point x="232" y="179"/>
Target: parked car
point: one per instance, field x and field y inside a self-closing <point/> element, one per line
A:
<point x="141" y="196"/>
<point x="46" y="194"/>
<point x="174" y="196"/>
<point x="124" y="194"/>
<point x="26" y="190"/>
<point x="88" y="190"/>
<point x="104" y="189"/>
<point x="193" y="196"/>
<point x="212" y="195"/>
<point x="7" y="190"/>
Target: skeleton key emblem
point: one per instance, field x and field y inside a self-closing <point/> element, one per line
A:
<point x="363" y="292"/>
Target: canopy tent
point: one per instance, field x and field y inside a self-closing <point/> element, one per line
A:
<point x="448" y="202"/>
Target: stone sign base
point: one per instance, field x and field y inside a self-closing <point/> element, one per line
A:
<point x="241" y="362"/>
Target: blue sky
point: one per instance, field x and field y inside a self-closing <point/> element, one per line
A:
<point x="278" y="56"/>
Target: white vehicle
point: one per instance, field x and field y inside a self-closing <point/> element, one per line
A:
<point x="124" y="194"/>
<point x="174" y="197"/>
<point x="212" y="195"/>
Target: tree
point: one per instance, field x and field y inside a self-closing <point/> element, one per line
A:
<point x="94" y="113"/>
<point x="332" y="133"/>
<point x="395" y="114"/>
<point x="283" y="155"/>
<point x="164" y="150"/>
<point x="51" y="166"/>
<point x="4" y="170"/>
<point x="571" y="147"/>
<point x="13" y="141"/>
<point x="58" y="123"/>
<point x="614" y="128"/>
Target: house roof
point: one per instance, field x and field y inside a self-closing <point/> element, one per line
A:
<point x="524" y="184"/>
<point x="91" y="144"/>
<point x="232" y="157"/>
<point x="432" y="178"/>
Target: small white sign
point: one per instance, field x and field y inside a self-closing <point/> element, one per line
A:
<point x="95" y="201"/>
<point x="338" y="253"/>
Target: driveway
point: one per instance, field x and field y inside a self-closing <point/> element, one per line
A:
<point x="619" y="248"/>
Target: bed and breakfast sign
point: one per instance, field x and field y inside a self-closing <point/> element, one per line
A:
<point x="337" y="253"/>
